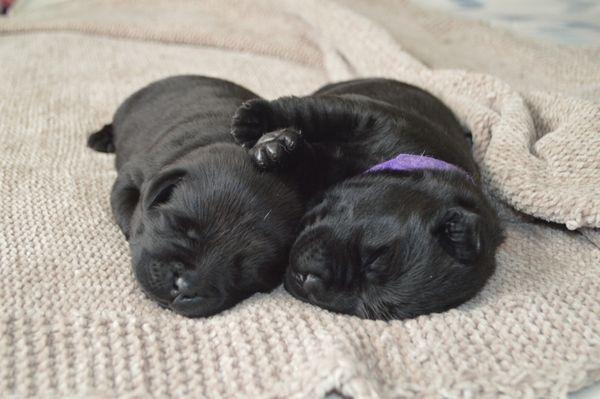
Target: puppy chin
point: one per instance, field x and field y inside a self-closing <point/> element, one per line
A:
<point x="199" y="306"/>
<point x="329" y="301"/>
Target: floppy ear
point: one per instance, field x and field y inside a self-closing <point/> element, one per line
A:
<point x="315" y="209"/>
<point x="459" y="233"/>
<point x="161" y="189"/>
<point x="124" y="198"/>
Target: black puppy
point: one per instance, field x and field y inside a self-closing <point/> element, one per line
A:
<point x="206" y="229"/>
<point x="410" y="236"/>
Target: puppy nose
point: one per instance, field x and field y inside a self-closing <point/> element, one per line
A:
<point x="311" y="283"/>
<point x="183" y="286"/>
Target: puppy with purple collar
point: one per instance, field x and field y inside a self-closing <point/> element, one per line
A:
<point x="398" y="225"/>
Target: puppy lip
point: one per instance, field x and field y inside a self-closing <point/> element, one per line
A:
<point x="162" y="302"/>
<point x="185" y="301"/>
<point x="291" y="285"/>
<point x="200" y="306"/>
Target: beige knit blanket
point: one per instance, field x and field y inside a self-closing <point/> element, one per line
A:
<point x="73" y="323"/>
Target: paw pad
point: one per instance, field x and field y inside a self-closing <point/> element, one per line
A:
<point x="277" y="149"/>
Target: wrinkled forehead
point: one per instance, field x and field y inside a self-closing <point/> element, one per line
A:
<point x="382" y="199"/>
<point x="216" y="195"/>
<point x="219" y="220"/>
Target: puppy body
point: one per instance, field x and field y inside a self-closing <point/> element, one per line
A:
<point x="386" y="244"/>
<point x="206" y="229"/>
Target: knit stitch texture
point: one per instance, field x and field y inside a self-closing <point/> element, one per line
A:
<point x="73" y="322"/>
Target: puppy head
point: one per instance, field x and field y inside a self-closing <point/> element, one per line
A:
<point x="211" y="231"/>
<point x="387" y="247"/>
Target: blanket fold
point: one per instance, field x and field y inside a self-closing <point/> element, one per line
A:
<point x="74" y="324"/>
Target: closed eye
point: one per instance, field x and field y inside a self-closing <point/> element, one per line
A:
<point x="370" y="257"/>
<point x="164" y="195"/>
<point x="312" y="218"/>
<point x="161" y="190"/>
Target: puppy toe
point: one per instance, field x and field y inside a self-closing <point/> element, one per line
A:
<point x="259" y="156"/>
<point x="275" y="151"/>
<point x="291" y="139"/>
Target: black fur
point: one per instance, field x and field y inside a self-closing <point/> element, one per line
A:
<point x="206" y="228"/>
<point x="381" y="245"/>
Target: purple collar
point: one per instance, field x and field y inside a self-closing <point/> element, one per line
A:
<point x="417" y="162"/>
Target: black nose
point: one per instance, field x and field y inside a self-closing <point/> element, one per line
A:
<point x="183" y="286"/>
<point x="310" y="283"/>
<point x="313" y="284"/>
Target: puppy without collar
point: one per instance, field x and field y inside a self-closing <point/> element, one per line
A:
<point x="206" y="229"/>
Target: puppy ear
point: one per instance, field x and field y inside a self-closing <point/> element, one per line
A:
<point x="124" y="198"/>
<point x="316" y="208"/>
<point x="162" y="188"/>
<point x="459" y="233"/>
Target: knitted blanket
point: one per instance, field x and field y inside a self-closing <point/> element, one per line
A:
<point x="73" y="323"/>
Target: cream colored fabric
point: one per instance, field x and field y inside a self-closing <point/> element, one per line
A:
<point x="441" y="41"/>
<point x="74" y="324"/>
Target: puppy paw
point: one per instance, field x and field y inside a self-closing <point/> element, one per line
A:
<point x="278" y="149"/>
<point x="251" y="121"/>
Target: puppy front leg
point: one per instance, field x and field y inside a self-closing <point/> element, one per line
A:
<point x="281" y="132"/>
<point x="317" y="118"/>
